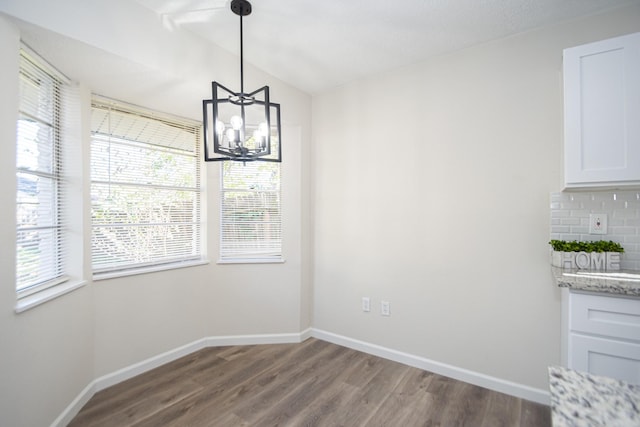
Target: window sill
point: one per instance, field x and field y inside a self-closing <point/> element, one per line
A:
<point x="252" y="261"/>
<point x="151" y="269"/>
<point x="34" y="300"/>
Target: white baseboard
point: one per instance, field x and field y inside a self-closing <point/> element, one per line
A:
<point x="74" y="407"/>
<point x="153" y="362"/>
<point x="471" y="377"/>
<point x="306" y="334"/>
<point x="258" y="339"/>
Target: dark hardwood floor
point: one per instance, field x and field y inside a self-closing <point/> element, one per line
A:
<point x="314" y="383"/>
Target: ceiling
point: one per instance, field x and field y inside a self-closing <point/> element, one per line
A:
<point x="315" y="45"/>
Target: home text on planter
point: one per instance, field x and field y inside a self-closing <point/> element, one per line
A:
<point x="587" y="260"/>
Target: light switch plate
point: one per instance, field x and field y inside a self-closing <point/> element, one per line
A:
<point x="598" y="224"/>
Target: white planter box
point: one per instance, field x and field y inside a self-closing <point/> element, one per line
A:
<point x="586" y="260"/>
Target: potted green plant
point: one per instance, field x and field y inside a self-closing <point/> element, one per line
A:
<point x="594" y="255"/>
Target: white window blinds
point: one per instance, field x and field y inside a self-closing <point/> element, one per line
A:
<point x="145" y="188"/>
<point x="40" y="200"/>
<point x="251" y="219"/>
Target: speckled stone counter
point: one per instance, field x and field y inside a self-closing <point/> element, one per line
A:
<point x="624" y="283"/>
<point x="581" y="399"/>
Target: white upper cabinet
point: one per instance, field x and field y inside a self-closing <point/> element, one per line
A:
<point x="602" y="113"/>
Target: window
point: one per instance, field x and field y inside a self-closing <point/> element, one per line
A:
<point x="145" y="189"/>
<point x="250" y="212"/>
<point x="41" y="196"/>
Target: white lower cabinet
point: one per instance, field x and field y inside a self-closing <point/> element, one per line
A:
<point x="604" y="336"/>
<point x="607" y="357"/>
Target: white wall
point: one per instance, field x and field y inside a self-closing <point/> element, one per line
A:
<point x="432" y="192"/>
<point x="46" y="355"/>
<point x="50" y="353"/>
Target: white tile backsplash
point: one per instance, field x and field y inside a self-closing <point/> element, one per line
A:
<point x="570" y="219"/>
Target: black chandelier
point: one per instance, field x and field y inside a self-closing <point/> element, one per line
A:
<point x="238" y="125"/>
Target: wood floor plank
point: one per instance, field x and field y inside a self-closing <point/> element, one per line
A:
<point x="380" y="388"/>
<point x="219" y="385"/>
<point x="441" y="390"/>
<point x="313" y="383"/>
<point x="165" y="377"/>
<point x="149" y="404"/>
<point x="320" y="413"/>
<point x="409" y="403"/>
<point x="502" y="411"/>
<point x="341" y="395"/>
<point x="468" y="406"/>
<point x="295" y="395"/>
<point x="534" y="414"/>
<point x="282" y="379"/>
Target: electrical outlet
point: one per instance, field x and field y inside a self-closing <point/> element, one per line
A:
<point x="385" y="308"/>
<point x="366" y="304"/>
<point x="598" y="224"/>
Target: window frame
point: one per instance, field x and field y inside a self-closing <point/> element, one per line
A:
<point x="37" y="69"/>
<point x="249" y="257"/>
<point x="199" y="257"/>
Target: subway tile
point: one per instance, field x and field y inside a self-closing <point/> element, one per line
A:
<point x="631" y="256"/>
<point x="627" y="195"/>
<point x="613" y="222"/>
<point x="622" y="231"/>
<point x="603" y="197"/>
<point x="579" y="213"/>
<point x="629" y="265"/>
<point x="579" y="197"/>
<point x="619" y="205"/>
<point x="557" y="197"/>
<point x="632" y="222"/>
<point x="625" y="213"/>
<point x="568" y="237"/>
<point x="580" y="230"/>
<point x="571" y="205"/>
<point x="631" y="247"/>
<point x="570" y="221"/>
<point x="592" y="206"/>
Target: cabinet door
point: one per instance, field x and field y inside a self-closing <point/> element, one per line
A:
<point x="605" y="315"/>
<point x="602" y="111"/>
<point x="606" y="357"/>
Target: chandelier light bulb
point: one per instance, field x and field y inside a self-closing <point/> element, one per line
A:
<point x="236" y="122"/>
<point x="264" y="129"/>
<point x="219" y="127"/>
<point x="231" y="135"/>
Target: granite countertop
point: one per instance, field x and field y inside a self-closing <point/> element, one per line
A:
<point x="626" y="283"/>
<point x="582" y="399"/>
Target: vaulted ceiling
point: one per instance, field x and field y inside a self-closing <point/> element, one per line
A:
<point x="318" y="44"/>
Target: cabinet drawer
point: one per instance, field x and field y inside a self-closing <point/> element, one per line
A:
<point x="606" y="357"/>
<point x="603" y="315"/>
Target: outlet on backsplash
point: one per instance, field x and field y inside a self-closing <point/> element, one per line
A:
<point x="598" y="224"/>
<point x="614" y="215"/>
